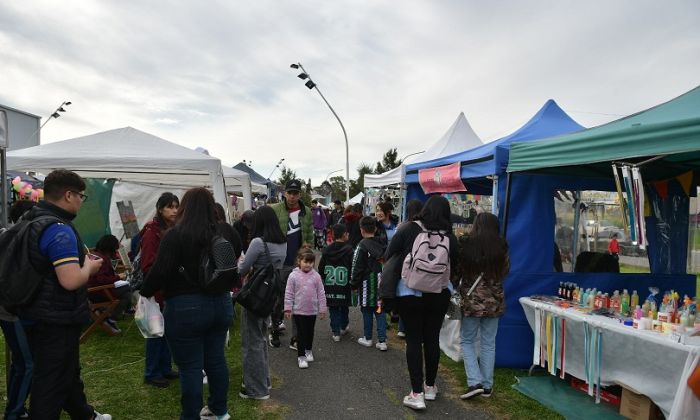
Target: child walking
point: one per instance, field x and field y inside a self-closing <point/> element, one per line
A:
<point x="334" y="267"/>
<point x="304" y="299"/>
<point x="366" y="272"/>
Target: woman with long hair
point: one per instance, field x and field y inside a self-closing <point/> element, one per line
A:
<point x="484" y="261"/>
<point x="268" y="238"/>
<point x="422" y="312"/>
<point x="196" y="319"/>
<point x="158" y="365"/>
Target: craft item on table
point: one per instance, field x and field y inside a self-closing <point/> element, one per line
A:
<point x="537" y="351"/>
<point x="627" y="179"/>
<point x="549" y="339"/>
<point x="639" y="206"/>
<point x="621" y="199"/>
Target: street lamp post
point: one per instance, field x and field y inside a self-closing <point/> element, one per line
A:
<point x="275" y="168"/>
<point x="410" y="154"/>
<point x="330" y="173"/>
<point x="311" y="84"/>
<point x="55" y="114"/>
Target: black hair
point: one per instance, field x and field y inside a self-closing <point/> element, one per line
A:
<point x="165" y="200"/>
<point x="61" y="180"/>
<point x="435" y="214"/>
<point x="247" y="219"/>
<point x="266" y="225"/>
<point x="386" y="207"/>
<point x="483" y="250"/>
<point x="357" y="208"/>
<point x="413" y="208"/>
<point x="338" y="202"/>
<point x="196" y="217"/>
<point x="220" y="212"/>
<point x="108" y="244"/>
<point x="306" y="254"/>
<point x="368" y="224"/>
<point x="339" y="230"/>
<point x="20" y="207"/>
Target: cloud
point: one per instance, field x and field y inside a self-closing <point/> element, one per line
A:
<point x="396" y="74"/>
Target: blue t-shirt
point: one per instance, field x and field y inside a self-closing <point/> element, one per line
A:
<point x="59" y="244"/>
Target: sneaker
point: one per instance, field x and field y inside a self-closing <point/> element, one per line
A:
<point x="381" y="345"/>
<point x="281" y="326"/>
<point x="293" y="344"/>
<point x="303" y="364"/>
<point x="344" y="331"/>
<point x="111" y="327"/>
<point x="487" y="392"/>
<point x="415" y="401"/>
<point x="157" y="382"/>
<point x="243" y="395"/>
<point x="173" y="374"/>
<point x="336" y="338"/>
<point x="401" y="334"/>
<point x="472" y="392"/>
<point x="274" y="340"/>
<point x="206" y="414"/>
<point x="24" y="414"/>
<point x="309" y="356"/>
<point x="364" y="342"/>
<point x="430" y="392"/>
<point x="98" y="416"/>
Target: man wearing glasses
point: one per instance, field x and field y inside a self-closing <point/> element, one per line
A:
<point x="57" y="313"/>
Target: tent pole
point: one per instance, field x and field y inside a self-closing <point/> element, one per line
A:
<point x="3" y="189"/>
<point x="507" y="205"/>
<point x="494" y="196"/>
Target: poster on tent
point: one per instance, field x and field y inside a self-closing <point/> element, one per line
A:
<point x="441" y="179"/>
<point x="128" y="218"/>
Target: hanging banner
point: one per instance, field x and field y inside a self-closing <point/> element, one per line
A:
<point x="661" y="187"/>
<point x="686" y="180"/>
<point x="441" y="179"/>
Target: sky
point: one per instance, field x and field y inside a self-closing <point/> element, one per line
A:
<point x="216" y="74"/>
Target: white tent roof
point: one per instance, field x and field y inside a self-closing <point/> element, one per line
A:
<point x="127" y="154"/>
<point x="356" y="199"/>
<point x="458" y="138"/>
<point x="237" y="180"/>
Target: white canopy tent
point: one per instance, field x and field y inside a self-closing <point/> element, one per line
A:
<point x="458" y="138"/>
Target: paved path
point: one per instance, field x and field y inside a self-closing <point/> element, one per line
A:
<point x="351" y="381"/>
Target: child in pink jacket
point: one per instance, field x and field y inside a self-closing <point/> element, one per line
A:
<point x="305" y="298"/>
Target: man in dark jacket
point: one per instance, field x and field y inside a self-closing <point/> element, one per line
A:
<point x="334" y="267"/>
<point x="336" y="214"/>
<point x="60" y="308"/>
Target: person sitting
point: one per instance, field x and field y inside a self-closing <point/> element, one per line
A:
<point x="106" y="248"/>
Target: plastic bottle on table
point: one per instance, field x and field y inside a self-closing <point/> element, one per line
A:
<point x="625" y="303"/>
<point x="634" y="299"/>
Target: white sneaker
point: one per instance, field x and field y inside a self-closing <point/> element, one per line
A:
<point x="414" y="401"/>
<point x="401" y="334"/>
<point x="364" y="342"/>
<point x="206" y="414"/>
<point x="309" y="356"/>
<point x="303" y="364"/>
<point x="430" y="392"/>
<point x="344" y="331"/>
<point x="336" y="338"/>
<point x="382" y="346"/>
<point x="99" y="416"/>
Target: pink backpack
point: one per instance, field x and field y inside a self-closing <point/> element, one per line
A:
<point x="427" y="266"/>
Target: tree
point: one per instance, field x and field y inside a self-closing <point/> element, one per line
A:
<point x="337" y="186"/>
<point x="286" y="175"/>
<point x="359" y="185"/>
<point x="389" y="161"/>
<point x="308" y="186"/>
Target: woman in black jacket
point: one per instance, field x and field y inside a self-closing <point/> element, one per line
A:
<point x="196" y="322"/>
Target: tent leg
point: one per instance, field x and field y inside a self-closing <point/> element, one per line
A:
<point x="494" y="196"/>
<point x="506" y="208"/>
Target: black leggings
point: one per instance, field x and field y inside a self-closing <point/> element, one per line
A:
<point x="422" y="317"/>
<point x="305" y="332"/>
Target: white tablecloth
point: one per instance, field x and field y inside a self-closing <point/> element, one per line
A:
<point x="645" y="361"/>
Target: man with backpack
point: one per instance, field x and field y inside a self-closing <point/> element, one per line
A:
<point x="58" y="309"/>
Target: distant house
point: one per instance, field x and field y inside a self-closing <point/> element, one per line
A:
<point x="22" y="128"/>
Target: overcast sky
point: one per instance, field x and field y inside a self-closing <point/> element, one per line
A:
<point x="216" y="74"/>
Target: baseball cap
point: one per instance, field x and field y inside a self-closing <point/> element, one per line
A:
<point x="293" y="185"/>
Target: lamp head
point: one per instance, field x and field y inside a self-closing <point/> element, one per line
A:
<point x="61" y="109"/>
<point x="303" y="76"/>
<point x="67" y="103"/>
<point x="55" y="115"/>
<point x="294" y="66"/>
<point x="309" y="84"/>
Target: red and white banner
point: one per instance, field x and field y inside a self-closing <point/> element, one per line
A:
<point x="441" y="179"/>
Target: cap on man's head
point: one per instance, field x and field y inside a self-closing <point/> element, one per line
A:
<point x="293" y="185"/>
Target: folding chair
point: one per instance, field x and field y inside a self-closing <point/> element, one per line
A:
<point x="100" y="311"/>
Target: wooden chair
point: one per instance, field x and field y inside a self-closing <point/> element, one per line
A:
<point x="100" y="311"/>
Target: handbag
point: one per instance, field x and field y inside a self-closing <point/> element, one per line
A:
<point x="454" y="308"/>
<point x="261" y="291"/>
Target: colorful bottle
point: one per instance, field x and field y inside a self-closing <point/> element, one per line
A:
<point x="634" y="299"/>
<point x="625" y="303"/>
<point x="615" y="302"/>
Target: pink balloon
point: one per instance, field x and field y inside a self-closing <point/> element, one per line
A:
<point x="16" y="180"/>
<point x="35" y="195"/>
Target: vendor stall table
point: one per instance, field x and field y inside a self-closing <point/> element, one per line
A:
<point x="646" y="361"/>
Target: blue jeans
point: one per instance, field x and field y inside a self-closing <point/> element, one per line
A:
<point x="339" y="318"/>
<point x="20" y="378"/>
<point x="479" y="371"/>
<point x="368" y="314"/>
<point x="195" y="327"/>
<point x="158" y="363"/>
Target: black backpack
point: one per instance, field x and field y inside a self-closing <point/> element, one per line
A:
<point x="261" y="291"/>
<point x="217" y="268"/>
<point x="19" y="279"/>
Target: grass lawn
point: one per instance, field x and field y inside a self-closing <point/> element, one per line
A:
<point x="506" y="402"/>
<point x="112" y="369"/>
<point x="625" y="268"/>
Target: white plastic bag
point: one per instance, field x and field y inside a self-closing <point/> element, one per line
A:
<point x="148" y="318"/>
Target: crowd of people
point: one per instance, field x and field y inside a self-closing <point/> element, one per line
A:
<point x="327" y="263"/>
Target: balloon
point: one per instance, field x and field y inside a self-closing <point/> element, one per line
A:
<point x="35" y="195"/>
<point x="16" y="180"/>
<point x="28" y="186"/>
<point x="21" y="194"/>
<point x="41" y="193"/>
<point x="16" y="187"/>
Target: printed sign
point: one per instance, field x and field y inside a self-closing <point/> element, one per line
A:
<point x="3" y="129"/>
<point x="128" y="217"/>
<point x="441" y="179"/>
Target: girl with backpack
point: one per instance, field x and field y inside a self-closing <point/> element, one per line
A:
<point x="268" y="240"/>
<point x="197" y="316"/>
<point x="483" y="267"/>
<point x="422" y="311"/>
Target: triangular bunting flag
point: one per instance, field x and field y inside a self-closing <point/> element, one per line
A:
<point x="661" y="187"/>
<point x="686" y="180"/>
